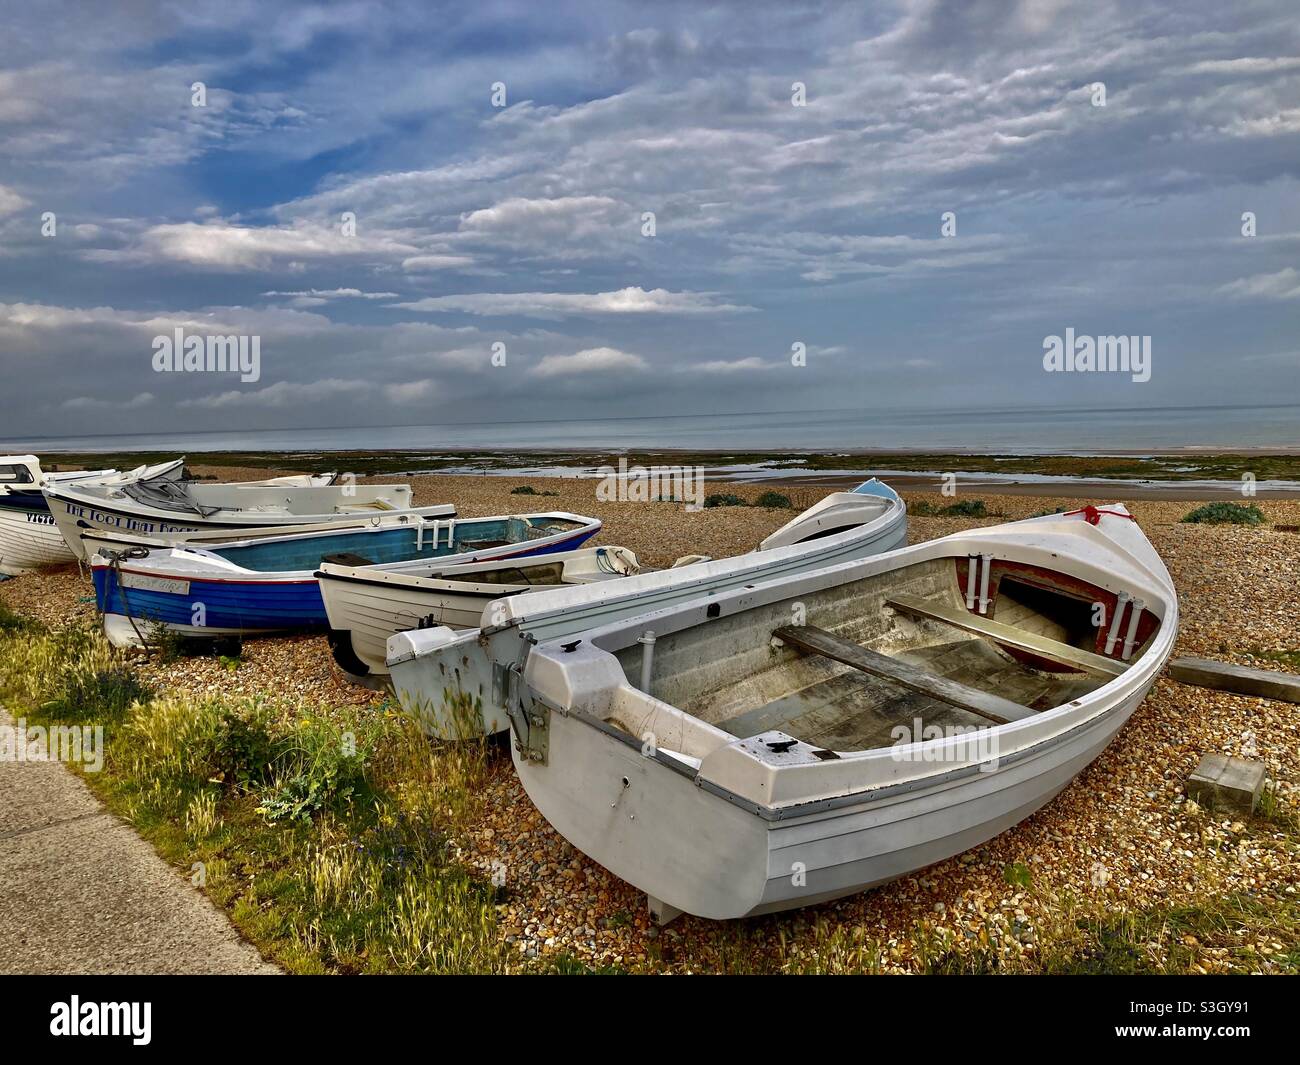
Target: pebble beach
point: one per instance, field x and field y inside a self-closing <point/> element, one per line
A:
<point x="1122" y="835"/>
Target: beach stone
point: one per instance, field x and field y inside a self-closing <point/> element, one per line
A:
<point x="1225" y="782"/>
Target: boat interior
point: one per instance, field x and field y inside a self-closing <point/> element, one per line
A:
<point x="949" y="642"/>
<point x="538" y="571"/>
<point x="206" y="499"/>
<point x="396" y="543"/>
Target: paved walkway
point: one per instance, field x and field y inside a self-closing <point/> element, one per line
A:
<point x="80" y="892"/>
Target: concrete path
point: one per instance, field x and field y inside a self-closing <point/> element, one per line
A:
<point x="80" y="892"/>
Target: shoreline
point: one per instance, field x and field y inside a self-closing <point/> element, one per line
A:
<point x="1209" y="476"/>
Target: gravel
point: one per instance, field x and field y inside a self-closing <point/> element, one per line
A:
<point x="1122" y="833"/>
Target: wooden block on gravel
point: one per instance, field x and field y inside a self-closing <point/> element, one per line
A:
<point x="1223" y="782"/>
<point x="1222" y="676"/>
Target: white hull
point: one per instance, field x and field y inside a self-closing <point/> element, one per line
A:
<point x="428" y="664"/>
<point x="30" y="539"/>
<point x="710" y="823"/>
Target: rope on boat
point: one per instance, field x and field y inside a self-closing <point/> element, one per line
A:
<point x="1092" y="515"/>
<point x="115" y="560"/>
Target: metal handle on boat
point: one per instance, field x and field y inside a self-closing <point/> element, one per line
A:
<point x="647" y="642"/>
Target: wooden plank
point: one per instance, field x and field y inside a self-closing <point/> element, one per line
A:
<point x="1052" y="650"/>
<point x="1223" y="676"/>
<point x="820" y="642"/>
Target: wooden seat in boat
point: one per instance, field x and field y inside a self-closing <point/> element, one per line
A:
<point x="348" y="558"/>
<point x="812" y="640"/>
<point x="1008" y="635"/>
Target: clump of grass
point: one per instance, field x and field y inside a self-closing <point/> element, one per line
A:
<point x="1288" y="658"/>
<point x="774" y="501"/>
<point x="967" y="508"/>
<point x="1046" y="513"/>
<point x="1226" y="514"/>
<point x="72" y="674"/>
<point x="12" y="623"/>
<point x="322" y="766"/>
<point x="724" y="499"/>
<point x="524" y="490"/>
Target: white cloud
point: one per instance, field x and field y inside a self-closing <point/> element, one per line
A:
<point x="753" y="362"/>
<point x="221" y="245"/>
<point x="592" y="360"/>
<point x="336" y="293"/>
<point x="417" y="263"/>
<point x="280" y="394"/>
<point x="632" y="300"/>
<point x="408" y="391"/>
<point x="1246" y="65"/>
<point x="1283" y="285"/>
<point x="11" y="201"/>
<point x="143" y="399"/>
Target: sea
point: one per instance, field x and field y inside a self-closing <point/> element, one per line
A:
<point x="1006" y="431"/>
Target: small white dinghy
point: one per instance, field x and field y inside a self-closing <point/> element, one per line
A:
<point x="432" y="669"/>
<point x="366" y="605"/>
<point x="788" y="743"/>
<point x="153" y="501"/>
<point x="29" y="536"/>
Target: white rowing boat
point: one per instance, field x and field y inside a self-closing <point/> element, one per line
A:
<point x="366" y="605"/>
<point x="29" y="536"/>
<point x="802" y="739"/>
<point x="152" y="501"/>
<point x="432" y="668"/>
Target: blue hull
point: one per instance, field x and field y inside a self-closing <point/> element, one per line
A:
<point x="261" y="606"/>
<point x="226" y="605"/>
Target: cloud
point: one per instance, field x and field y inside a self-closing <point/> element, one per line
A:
<point x="318" y="297"/>
<point x="627" y="301"/>
<point x="281" y="394"/>
<point x="336" y="293"/>
<point x="11" y="201"/>
<point x="142" y="399"/>
<point x="221" y="245"/>
<point x="724" y="366"/>
<point x="417" y="263"/>
<point x="590" y="361"/>
<point x="1246" y="65"/>
<point x="1283" y="285"/>
<point x="409" y="391"/>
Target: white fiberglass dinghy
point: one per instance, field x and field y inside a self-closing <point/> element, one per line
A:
<point x="795" y="741"/>
<point x="366" y="605"/>
<point x="432" y="668"/>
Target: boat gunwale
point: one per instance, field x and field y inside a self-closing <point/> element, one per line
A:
<point x="860" y="797"/>
<point x="880" y="527"/>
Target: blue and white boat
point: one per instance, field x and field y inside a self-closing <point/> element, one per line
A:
<point x="246" y="587"/>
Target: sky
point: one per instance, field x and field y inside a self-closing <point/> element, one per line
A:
<point x="488" y="212"/>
